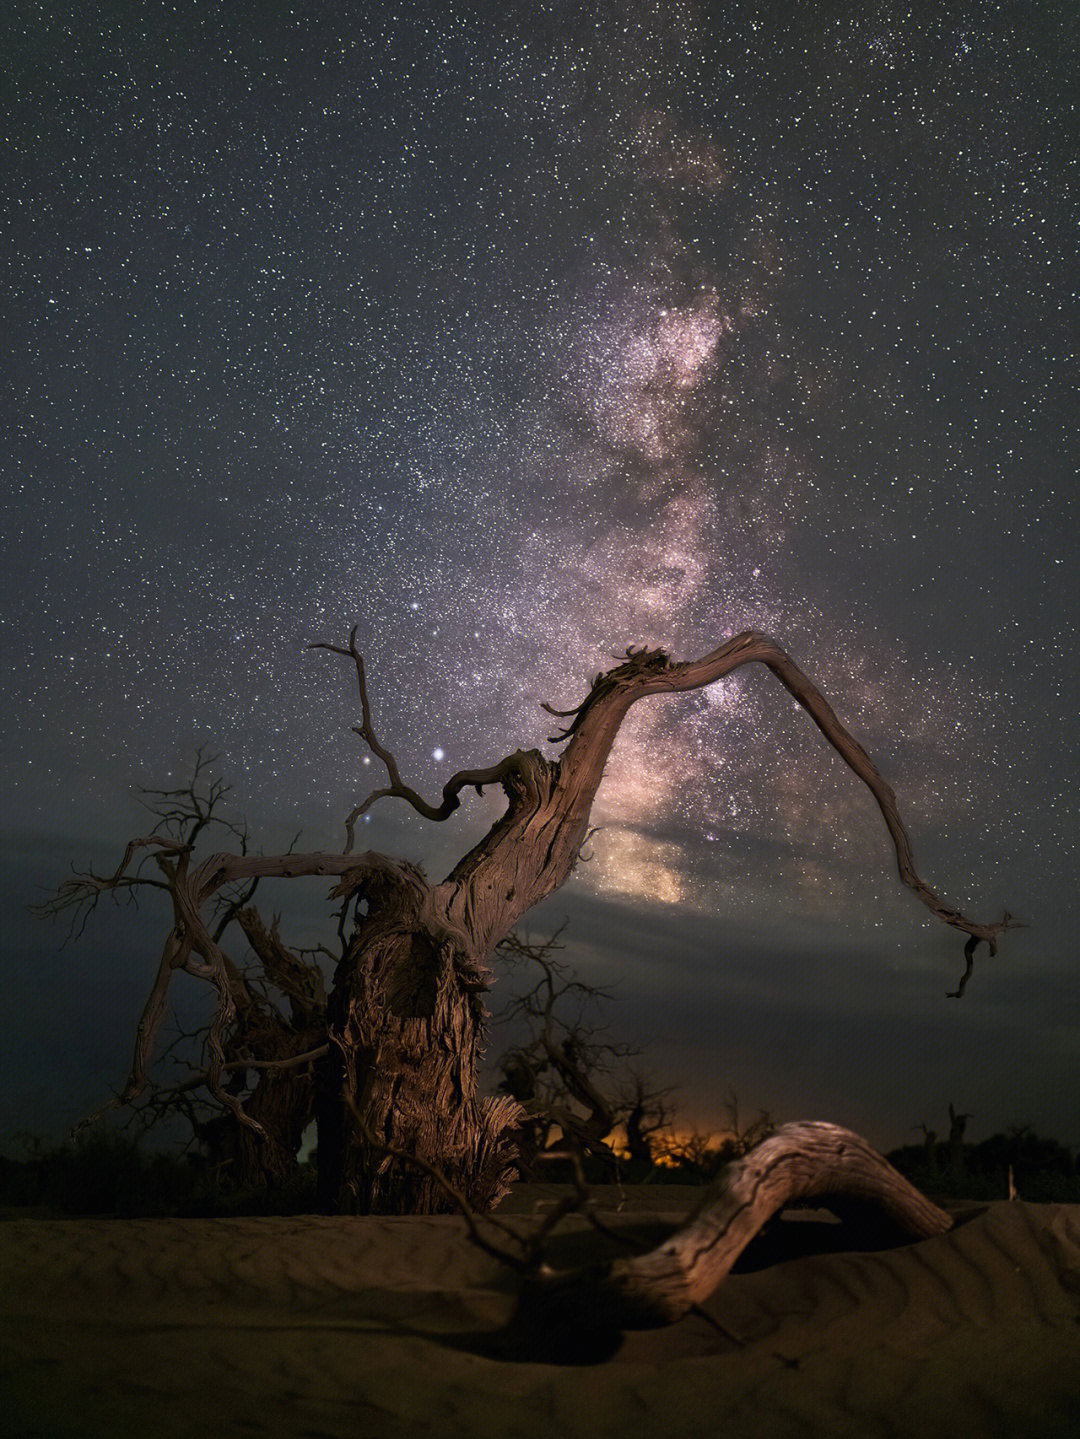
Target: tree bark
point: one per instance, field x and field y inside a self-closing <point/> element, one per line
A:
<point x="282" y="1104"/>
<point x="406" y="1026"/>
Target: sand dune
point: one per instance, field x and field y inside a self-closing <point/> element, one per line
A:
<point x="375" y="1328"/>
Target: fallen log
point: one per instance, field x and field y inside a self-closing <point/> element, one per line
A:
<point x="800" y="1161"/>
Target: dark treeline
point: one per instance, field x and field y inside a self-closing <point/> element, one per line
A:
<point x="1019" y="1163"/>
<point x="114" y="1173"/>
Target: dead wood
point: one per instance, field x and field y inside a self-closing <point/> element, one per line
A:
<point x="800" y="1161"/>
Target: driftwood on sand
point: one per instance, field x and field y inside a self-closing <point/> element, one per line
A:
<point x="800" y="1161"/>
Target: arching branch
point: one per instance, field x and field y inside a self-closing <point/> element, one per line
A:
<point x="598" y="717"/>
<point x="799" y="1161"/>
<point x="557" y="798"/>
<point x="570" y="1312"/>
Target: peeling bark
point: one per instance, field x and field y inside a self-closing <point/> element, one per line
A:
<point x="407" y="1024"/>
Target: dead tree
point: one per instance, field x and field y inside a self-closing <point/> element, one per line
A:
<point x="273" y="1044"/>
<point x="405" y="1013"/>
<point x="572" y="1084"/>
<point x="955" y="1144"/>
<point x="250" y="1092"/>
<point x="646" y="1125"/>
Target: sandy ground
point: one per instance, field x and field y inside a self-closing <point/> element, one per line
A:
<point x="315" y="1327"/>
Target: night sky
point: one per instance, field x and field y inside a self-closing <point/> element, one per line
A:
<point x="515" y="334"/>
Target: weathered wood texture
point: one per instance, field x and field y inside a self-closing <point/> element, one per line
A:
<point x="800" y="1161"/>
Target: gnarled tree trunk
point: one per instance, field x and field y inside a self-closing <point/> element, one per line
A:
<point x="406" y="1021"/>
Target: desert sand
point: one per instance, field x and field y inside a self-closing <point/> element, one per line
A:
<point x="382" y="1328"/>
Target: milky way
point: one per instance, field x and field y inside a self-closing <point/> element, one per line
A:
<point x="519" y="334"/>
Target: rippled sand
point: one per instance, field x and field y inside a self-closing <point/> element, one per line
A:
<point x="315" y="1327"/>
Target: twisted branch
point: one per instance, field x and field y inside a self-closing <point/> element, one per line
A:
<point x="644" y="672"/>
<point x="506" y="769"/>
<point x="799" y="1161"/>
<point x="594" y="725"/>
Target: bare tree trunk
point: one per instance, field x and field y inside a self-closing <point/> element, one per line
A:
<point x="406" y="1026"/>
<point x="408" y="1032"/>
<point x="283" y="1105"/>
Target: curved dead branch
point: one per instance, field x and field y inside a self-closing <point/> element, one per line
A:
<point x="566" y="789"/>
<point x="800" y="1161"/>
<point x="598" y="717"/>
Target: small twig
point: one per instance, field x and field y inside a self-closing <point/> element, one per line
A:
<point x="720" y="1329"/>
<point x="1007" y="922"/>
<point x="584" y="1203"/>
<point x="969" y="965"/>
<point x="290" y="1063"/>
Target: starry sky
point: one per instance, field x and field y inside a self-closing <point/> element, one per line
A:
<point x="515" y="334"/>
